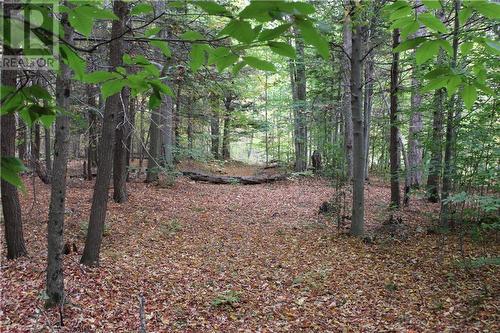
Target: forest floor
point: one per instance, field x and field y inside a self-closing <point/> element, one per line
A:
<point x="254" y="258"/>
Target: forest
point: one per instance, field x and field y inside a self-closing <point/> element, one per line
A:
<point x="250" y="166"/>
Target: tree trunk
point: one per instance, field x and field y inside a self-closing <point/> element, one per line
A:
<point x="346" y="93"/>
<point x="48" y="153"/>
<point x="215" y="133"/>
<point x="154" y="147"/>
<point x="358" y="152"/>
<point x="130" y="132"/>
<point x="10" y="200"/>
<point x="300" y="108"/>
<point x="226" y="154"/>
<point x="120" y="152"/>
<point x="177" y="117"/>
<point x="22" y="137"/>
<point x="100" y="198"/>
<point x="393" y="143"/>
<point x="35" y="145"/>
<point x="368" y="103"/>
<point x="190" y="127"/>
<point x="92" y="136"/>
<point x="55" y="230"/>
<point x="450" y="131"/>
<point x="415" y="149"/>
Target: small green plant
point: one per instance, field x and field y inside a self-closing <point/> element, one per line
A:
<point x="228" y="297"/>
<point x="391" y="286"/>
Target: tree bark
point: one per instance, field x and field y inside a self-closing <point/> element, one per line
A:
<point x="393" y="143"/>
<point x="226" y="135"/>
<point x="22" y="137"/>
<point x="130" y="132"/>
<point x="215" y="133"/>
<point x="368" y="103"/>
<point x="154" y="147"/>
<point x="358" y="153"/>
<point x="346" y="93"/>
<point x="300" y="108"/>
<point x="100" y="198"/>
<point x="450" y="131"/>
<point x="10" y="199"/>
<point x="48" y="152"/>
<point x="55" y="230"/>
<point x="120" y="152"/>
<point x="92" y="135"/>
<point x="436" y="147"/>
<point x="415" y="149"/>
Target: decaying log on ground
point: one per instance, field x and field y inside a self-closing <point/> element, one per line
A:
<point x="245" y="180"/>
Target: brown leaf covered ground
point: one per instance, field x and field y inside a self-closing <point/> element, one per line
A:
<point x="289" y="269"/>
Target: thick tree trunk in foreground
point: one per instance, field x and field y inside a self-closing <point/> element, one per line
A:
<point x="358" y="200"/>
<point x="100" y="199"/>
<point x="120" y="153"/>
<point x="346" y="94"/>
<point x="393" y="143"/>
<point x="55" y="230"/>
<point x="300" y="109"/>
<point x="10" y="200"/>
<point x="436" y="149"/>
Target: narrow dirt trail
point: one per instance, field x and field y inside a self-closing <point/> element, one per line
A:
<point x="288" y="268"/>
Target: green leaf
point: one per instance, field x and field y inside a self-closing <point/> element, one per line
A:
<point x="47" y="120"/>
<point x="492" y="45"/>
<point x="240" y="30"/>
<point x="212" y="8"/>
<point x="401" y="12"/>
<point x="426" y="51"/>
<point x="466" y="47"/>
<point x="269" y="34"/>
<point x="99" y="76"/>
<point x="82" y="17"/>
<point x="163" y="46"/>
<point x="214" y="54"/>
<point x="161" y="87"/>
<point x="237" y="67"/>
<point x="197" y="56"/>
<point x="259" y="64"/>
<point x="151" y="32"/>
<point x="489" y="9"/>
<point x="409" y="29"/>
<point x="441" y="71"/>
<point x="453" y="84"/>
<point x="409" y="44"/>
<point x="432" y="4"/>
<point x="464" y="14"/>
<point x="10" y="167"/>
<point x="226" y="61"/>
<point x="141" y="8"/>
<point x="469" y="95"/>
<point x="313" y="37"/>
<point x="154" y="102"/>
<point x="112" y="87"/>
<point x="432" y="22"/>
<point x="37" y="92"/>
<point x="283" y="49"/>
<point x="191" y="35"/>
<point x="402" y="22"/>
<point x="73" y="60"/>
<point x="434" y="84"/>
<point x="445" y="45"/>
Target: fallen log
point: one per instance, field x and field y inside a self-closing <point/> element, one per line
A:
<point x="245" y="180"/>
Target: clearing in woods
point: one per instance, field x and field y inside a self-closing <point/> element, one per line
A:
<point x="227" y="258"/>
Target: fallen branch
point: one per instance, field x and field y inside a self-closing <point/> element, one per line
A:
<point x="245" y="180"/>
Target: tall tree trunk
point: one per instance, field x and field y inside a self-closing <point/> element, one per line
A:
<point x="130" y="132"/>
<point x="436" y="147"/>
<point x="190" y="127"/>
<point x="346" y="93"/>
<point x="100" y="199"/>
<point x="22" y="137"/>
<point x="120" y="152"/>
<point x="450" y="130"/>
<point x="10" y="199"/>
<point x="48" y="152"/>
<point x="92" y="135"/>
<point x="415" y="149"/>
<point x="55" y="230"/>
<point x="300" y="108"/>
<point x="393" y="143"/>
<point x="35" y="146"/>
<point x="154" y="147"/>
<point x="177" y="117"/>
<point x="215" y="133"/>
<point x="226" y="135"/>
<point x="367" y="106"/>
<point x="358" y="153"/>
